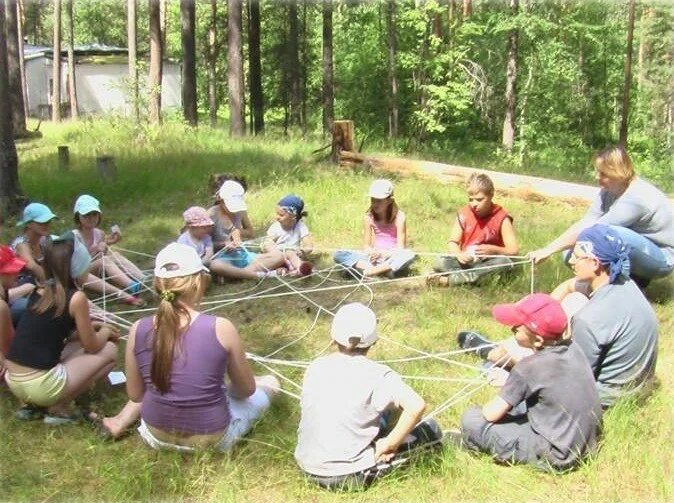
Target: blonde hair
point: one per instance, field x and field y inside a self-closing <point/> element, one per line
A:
<point x="614" y="163"/>
<point x="168" y="329"/>
<point x="479" y="182"/>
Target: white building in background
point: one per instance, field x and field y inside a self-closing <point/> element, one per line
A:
<point x="101" y="81"/>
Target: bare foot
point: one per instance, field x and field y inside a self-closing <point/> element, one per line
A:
<point x="109" y="427"/>
<point x="269" y="384"/>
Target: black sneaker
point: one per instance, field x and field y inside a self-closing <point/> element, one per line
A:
<point x="473" y="340"/>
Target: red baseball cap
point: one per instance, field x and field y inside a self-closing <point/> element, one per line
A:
<point x="9" y="262"/>
<point x="539" y="312"/>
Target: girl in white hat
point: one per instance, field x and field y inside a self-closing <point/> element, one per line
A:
<point x="176" y="363"/>
<point x="385" y="237"/>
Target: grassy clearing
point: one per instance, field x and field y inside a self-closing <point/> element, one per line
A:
<point x="161" y="172"/>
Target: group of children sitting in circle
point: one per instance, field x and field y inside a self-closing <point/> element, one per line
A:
<point x="573" y="353"/>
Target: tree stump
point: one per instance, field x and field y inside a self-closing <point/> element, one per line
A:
<point x="105" y="165"/>
<point x="64" y="157"/>
<point x="342" y="138"/>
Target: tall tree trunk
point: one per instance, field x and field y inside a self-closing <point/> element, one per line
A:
<point x="22" y="66"/>
<point x="212" y="56"/>
<point x="189" y="85"/>
<point x="255" y="66"/>
<point x="14" y="68"/>
<point x="132" y="41"/>
<point x="294" y="65"/>
<point x="451" y="15"/>
<point x="72" y="85"/>
<point x="511" y="86"/>
<point x="467" y="9"/>
<point x="156" y="63"/>
<point x="304" y="70"/>
<point x="237" y="125"/>
<point x="628" y="76"/>
<point x="392" y="69"/>
<point x="328" y="70"/>
<point x="56" y="65"/>
<point x="163" y="21"/>
<point x="9" y="177"/>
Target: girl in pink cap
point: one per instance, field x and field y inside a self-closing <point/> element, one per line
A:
<point x="197" y="232"/>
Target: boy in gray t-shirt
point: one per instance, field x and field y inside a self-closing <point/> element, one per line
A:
<point x="563" y="415"/>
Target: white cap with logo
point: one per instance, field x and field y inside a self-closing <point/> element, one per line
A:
<point x="231" y="193"/>
<point x="354" y="320"/>
<point x="177" y="260"/>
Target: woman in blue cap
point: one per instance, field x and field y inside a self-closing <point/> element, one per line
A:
<point x="290" y="235"/>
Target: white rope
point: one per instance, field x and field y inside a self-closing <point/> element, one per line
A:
<point x="433" y="355"/>
<point x="266" y="361"/>
<point x="430" y="355"/>
<point x="279" y="374"/>
<point x="305" y="334"/>
<point x="438" y="378"/>
<point x="117" y="247"/>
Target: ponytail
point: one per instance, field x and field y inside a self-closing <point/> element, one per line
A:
<point x="174" y="294"/>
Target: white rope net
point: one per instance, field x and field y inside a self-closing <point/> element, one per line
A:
<point x="448" y="370"/>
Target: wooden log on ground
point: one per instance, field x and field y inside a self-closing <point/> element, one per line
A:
<point x="64" y="157"/>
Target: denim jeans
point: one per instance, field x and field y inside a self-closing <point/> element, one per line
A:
<point x="647" y="260"/>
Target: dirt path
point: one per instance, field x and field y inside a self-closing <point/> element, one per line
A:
<point x="509" y="182"/>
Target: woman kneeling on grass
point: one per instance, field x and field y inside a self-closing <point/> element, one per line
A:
<point x="176" y="362"/>
<point x="45" y="369"/>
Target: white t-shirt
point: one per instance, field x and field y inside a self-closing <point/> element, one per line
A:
<point x="288" y="239"/>
<point x="343" y="398"/>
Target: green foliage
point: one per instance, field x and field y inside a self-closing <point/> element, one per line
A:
<point x="451" y="73"/>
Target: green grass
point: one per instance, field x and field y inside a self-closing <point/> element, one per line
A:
<point x="162" y="172"/>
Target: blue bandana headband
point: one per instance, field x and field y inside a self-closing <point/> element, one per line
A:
<point x="608" y="248"/>
<point x="293" y="205"/>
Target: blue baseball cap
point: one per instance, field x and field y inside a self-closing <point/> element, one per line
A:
<point x="86" y="204"/>
<point x="292" y="204"/>
<point x="36" y="212"/>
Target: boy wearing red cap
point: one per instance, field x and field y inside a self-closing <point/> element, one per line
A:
<point x="563" y="416"/>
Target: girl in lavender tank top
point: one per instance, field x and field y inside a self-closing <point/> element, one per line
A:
<point x="385" y="237"/>
<point x="176" y="363"/>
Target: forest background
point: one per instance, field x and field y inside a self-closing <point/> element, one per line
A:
<point x="512" y="85"/>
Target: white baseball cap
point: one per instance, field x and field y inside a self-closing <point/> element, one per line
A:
<point x="177" y="260"/>
<point x="354" y="320"/>
<point x="381" y="189"/>
<point x="231" y="193"/>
